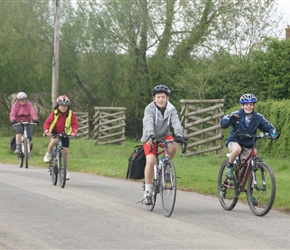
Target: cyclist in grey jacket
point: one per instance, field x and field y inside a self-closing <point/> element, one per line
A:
<point x="159" y="116"/>
<point x="244" y="121"/>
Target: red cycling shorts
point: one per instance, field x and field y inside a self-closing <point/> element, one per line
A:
<point x="147" y="148"/>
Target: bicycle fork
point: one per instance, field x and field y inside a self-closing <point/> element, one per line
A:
<point x="254" y="178"/>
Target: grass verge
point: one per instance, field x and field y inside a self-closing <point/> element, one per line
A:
<point x="196" y="173"/>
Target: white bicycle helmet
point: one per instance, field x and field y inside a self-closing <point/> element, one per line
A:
<point x="63" y="100"/>
<point x="159" y="89"/>
<point x="248" y="98"/>
<point x="21" y="96"/>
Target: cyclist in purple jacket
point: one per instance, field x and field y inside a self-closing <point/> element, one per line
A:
<point x="22" y="111"/>
<point x="244" y="121"/>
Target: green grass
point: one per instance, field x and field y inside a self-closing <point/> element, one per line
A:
<point x="196" y="173"/>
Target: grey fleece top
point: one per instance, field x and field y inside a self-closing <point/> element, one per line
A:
<point x="154" y="123"/>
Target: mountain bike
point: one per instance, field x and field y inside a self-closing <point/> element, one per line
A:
<point x="164" y="181"/>
<point x="259" y="176"/>
<point x="58" y="164"/>
<point x="25" y="147"/>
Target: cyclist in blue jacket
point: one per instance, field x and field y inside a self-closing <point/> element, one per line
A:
<point x="245" y="121"/>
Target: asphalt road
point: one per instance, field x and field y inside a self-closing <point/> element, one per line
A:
<point x="94" y="212"/>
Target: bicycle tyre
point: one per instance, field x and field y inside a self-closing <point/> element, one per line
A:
<point x="226" y="189"/>
<point x="151" y="207"/>
<point x="62" y="168"/>
<point x="168" y="189"/>
<point x="53" y="172"/>
<point x="265" y="190"/>
<point x="154" y="195"/>
<point x="20" y="159"/>
<point x="26" y="145"/>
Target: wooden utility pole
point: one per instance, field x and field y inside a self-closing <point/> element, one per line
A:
<point x="55" y="60"/>
<point x="287" y="32"/>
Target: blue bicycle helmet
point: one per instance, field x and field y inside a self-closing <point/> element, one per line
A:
<point x="248" y="98"/>
<point x="159" y="89"/>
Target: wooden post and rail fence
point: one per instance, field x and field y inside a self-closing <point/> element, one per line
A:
<point x="200" y="119"/>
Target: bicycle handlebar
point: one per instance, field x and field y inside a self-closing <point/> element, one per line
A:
<point x="256" y="137"/>
<point x="158" y="141"/>
<point x="63" y="134"/>
<point x="24" y="123"/>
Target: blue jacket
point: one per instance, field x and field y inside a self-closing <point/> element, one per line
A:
<point x="257" y="121"/>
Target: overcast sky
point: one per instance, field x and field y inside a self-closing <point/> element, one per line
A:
<point x="284" y="7"/>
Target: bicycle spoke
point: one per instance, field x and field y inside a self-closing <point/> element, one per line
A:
<point x="261" y="189"/>
<point x="227" y="194"/>
<point x="53" y="172"/>
<point x="168" y="189"/>
<point x="62" y="168"/>
<point x="26" y="145"/>
<point x="20" y="159"/>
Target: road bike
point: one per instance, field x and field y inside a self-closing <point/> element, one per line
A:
<point x="58" y="164"/>
<point x="164" y="181"/>
<point x="259" y="176"/>
<point x="25" y="146"/>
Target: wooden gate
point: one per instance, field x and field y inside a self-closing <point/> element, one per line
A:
<point x="83" y="121"/>
<point x="109" y="125"/>
<point x="200" y="120"/>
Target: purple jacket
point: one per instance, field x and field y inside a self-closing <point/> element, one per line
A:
<point x="25" y="113"/>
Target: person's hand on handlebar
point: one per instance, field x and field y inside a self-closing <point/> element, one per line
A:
<point x="13" y="122"/>
<point x="150" y="140"/>
<point x="47" y="133"/>
<point x="275" y="136"/>
<point x="73" y="134"/>
<point x="178" y="139"/>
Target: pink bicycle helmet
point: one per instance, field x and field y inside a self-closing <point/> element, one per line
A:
<point x="21" y="96"/>
<point x="63" y="100"/>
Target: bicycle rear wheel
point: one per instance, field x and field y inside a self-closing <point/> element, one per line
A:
<point x="226" y="189"/>
<point x="168" y="189"/>
<point x="26" y="145"/>
<point x="62" y="168"/>
<point x="261" y="195"/>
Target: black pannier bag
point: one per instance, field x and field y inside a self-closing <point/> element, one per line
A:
<point x="136" y="164"/>
<point x="12" y="143"/>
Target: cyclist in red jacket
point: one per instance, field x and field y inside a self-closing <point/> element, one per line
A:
<point x="61" y="119"/>
<point x="22" y="110"/>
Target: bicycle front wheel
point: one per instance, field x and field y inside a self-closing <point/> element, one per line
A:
<point x="261" y="190"/>
<point x="26" y="145"/>
<point x="168" y="188"/>
<point x="53" y="172"/>
<point x="154" y="194"/>
<point x="228" y="197"/>
<point x="62" y="168"/>
<point x="20" y="159"/>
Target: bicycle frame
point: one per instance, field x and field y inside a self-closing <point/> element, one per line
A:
<point x="243" y="170"/>
<point x="166" y="185"/>
<point x="253" y="176"/>
<point x="58" y="164"/>
<point x="25" y="145"/>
